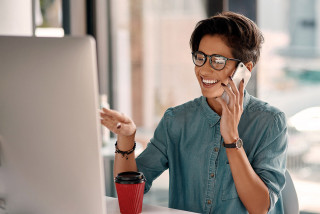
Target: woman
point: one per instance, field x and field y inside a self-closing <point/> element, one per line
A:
<point x="193" y="140"/>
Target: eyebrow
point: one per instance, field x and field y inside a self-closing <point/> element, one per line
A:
<point x="213" y="54"/>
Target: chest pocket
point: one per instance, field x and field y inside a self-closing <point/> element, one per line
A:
<point x="229" y="190"/>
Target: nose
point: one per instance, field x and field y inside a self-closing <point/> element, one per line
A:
<point x="206" y="69"/>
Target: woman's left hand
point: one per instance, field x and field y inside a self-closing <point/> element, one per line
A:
<point x="231" y="113"/>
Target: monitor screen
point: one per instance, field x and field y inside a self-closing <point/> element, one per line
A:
<point x="49" y="126"/>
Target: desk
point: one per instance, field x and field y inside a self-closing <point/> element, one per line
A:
<point x="113" y="208"/>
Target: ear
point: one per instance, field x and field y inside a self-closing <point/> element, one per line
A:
<point x="249" y="65"/>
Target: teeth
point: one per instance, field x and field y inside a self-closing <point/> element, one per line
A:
<point x="209" y="81"/>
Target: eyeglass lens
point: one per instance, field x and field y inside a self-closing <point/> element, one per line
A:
<point x="217" y="62"/>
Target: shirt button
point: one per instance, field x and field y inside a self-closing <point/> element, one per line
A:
<point x="211" y="175"/>
<point x="208" y="201"/>
<point x="216" y="149"/>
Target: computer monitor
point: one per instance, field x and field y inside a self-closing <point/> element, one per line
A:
<point x="49" y="127"/>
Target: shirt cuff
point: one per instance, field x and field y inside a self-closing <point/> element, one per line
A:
<point x="273" y="199"/>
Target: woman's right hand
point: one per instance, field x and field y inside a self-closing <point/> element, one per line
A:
<point x="118" y="123"/>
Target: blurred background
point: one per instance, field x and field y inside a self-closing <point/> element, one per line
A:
<point x="145" y="66"/>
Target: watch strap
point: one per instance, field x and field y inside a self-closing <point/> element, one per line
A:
<point x="237" y="144"/>
<point x="231" y="145"/>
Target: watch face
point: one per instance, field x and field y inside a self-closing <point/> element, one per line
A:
<point x="239" y="143"/>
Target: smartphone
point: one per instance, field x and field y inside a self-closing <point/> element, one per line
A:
<point x="240" y="73"/>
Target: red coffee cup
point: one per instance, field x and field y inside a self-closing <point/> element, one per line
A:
<point x="130" y="189"/>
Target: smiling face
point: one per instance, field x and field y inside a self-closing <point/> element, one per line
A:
<point x="210" y="79"/>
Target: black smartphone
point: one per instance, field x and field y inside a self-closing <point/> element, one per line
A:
<point x="240" y="73"/>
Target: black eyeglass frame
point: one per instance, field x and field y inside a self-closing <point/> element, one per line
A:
<point x="210" y="59"/>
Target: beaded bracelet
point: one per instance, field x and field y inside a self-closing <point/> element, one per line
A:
<point x="125" y="153"/>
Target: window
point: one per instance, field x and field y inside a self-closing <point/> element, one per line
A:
<point x="289" y="78"/>
<point x="48" y="18"/>
<point x="154" y="69"/>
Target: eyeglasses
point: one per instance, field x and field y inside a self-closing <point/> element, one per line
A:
<point x="217" y="62"/>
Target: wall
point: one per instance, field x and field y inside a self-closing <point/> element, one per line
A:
<point x="16" y="17"/>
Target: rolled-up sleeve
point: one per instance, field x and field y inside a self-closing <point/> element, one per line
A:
<point x="154" y="160"/>
<point x="270" y="160"/>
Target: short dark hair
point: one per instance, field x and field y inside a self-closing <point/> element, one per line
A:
<point x="241" y="34"/>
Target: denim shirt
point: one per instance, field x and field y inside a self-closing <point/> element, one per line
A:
<point x="188" y="142"/>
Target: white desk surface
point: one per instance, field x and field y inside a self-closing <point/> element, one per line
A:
<point x="113" y="208"/>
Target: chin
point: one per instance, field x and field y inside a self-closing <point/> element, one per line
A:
<point x="211" y="95"/>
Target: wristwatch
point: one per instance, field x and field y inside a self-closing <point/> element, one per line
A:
<point x="238" y="144"/>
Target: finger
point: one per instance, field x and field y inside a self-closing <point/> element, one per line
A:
<point x="109" y="122"/>
<point x="231" y="95"/>
<point x="117" y="115"/>
<point x="108" y="118"/>
<point x="103" y="115"/>
<point x="234" y="89"/>
<point x="110" y="125"/>
<point x="223" y="104"/>
<point x="119" y="128"/>
<point x="241" y="92"/>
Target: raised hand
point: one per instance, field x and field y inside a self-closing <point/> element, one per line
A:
<point x="231" y="113"/>
<point x="117" y="122"/>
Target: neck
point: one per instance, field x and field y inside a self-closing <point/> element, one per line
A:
<point x="215" y="106"/>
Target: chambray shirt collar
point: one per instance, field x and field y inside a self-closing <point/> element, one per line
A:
<point x="212" y="116"/>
